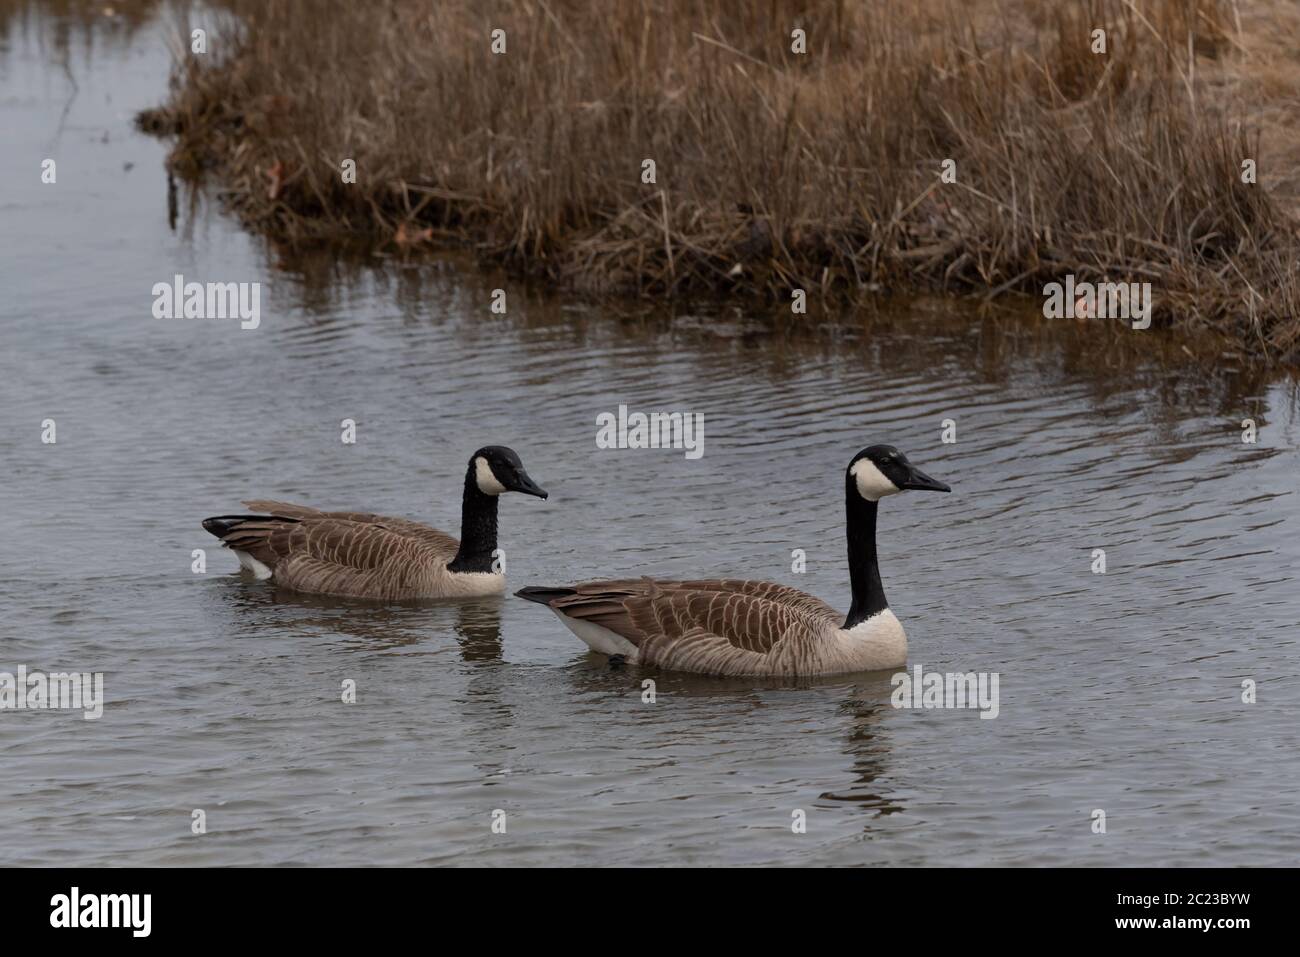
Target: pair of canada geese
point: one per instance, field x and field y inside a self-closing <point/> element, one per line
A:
<point x="712" y="626"/>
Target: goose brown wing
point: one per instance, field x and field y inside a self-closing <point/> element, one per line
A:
<point x="444" y="544"/>
<point x="335" y="556"/>
<point x="712" y="626"/>
<point x="770" y="591"/>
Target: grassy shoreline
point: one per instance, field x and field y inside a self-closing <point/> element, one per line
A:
<point x="773" y="170"/>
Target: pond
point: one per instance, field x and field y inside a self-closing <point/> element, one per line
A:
<point x="1120" y="691"/>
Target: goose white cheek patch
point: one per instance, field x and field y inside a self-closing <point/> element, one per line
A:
<point x="872" y="484"/>
<point x="487" y="482"/>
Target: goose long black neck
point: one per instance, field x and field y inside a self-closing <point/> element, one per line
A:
<point x="478" y="528"/>
<point x="864" y="570"/>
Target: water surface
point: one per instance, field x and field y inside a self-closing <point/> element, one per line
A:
<point x="1118" y="692"/>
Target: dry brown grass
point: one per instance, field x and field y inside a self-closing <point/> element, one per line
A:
<point x="774" y="170"/>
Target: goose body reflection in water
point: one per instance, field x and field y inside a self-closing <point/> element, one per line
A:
<point x="368" y="625"/>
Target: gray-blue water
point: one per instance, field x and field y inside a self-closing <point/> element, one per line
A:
<point x="1119" y="692"/>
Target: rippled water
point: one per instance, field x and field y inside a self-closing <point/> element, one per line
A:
<point x="1119" y="692"/>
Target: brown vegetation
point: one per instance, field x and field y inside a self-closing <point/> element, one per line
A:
<point x="774" y="170"/>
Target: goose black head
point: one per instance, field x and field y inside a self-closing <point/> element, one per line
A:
<point x="880" y="470"/>
<point x="497" y="469"/>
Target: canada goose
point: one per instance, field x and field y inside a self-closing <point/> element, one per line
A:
<point x="361" y="555"/>
<point x="727" y="627"/>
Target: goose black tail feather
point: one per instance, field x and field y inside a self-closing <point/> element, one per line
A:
<point x="221" y="525"/>
<point x="543" y="594"/>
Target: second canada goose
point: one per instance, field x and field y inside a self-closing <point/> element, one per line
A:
<point x="362" y="555"/>
<point x="729" y="627"/>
